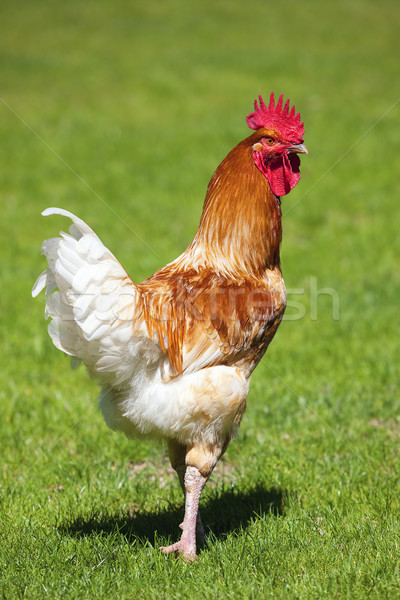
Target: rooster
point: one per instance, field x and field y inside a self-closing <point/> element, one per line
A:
<point x="174" y="354"/>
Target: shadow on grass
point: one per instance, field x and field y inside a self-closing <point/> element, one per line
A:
<point x="227" y="511"/>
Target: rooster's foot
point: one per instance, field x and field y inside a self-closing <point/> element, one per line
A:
<point x="184" y="549"/>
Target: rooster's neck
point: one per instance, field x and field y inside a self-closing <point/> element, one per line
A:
<point x="240" y="229"/>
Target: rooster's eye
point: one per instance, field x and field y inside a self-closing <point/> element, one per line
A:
<point x="270" y="141"/>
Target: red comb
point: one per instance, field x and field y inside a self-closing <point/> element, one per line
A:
<point x="277" y="117"/>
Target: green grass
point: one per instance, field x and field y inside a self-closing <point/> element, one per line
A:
<point x="120" y="112"/>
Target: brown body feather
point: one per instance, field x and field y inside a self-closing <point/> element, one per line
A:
<point x="227" y="287"/>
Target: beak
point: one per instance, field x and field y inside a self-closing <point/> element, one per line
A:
<point x="297" y="149"/>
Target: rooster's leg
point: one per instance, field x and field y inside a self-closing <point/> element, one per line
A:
<point x="181" y="470"/>
<point x="194" y="464"/>
<point x="194" y="482"/>
<point x="177" y="455"/>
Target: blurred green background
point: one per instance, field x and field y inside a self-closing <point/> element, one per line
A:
<point x="120" y="112"/>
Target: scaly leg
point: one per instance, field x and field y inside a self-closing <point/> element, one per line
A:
<point x="181" y="470"/>
<point x="194" y="482"/>
<point x="177" y="455"/>
<point x="194" y="464"/>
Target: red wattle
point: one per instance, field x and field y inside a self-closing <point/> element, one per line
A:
<point x="283" y="173"/>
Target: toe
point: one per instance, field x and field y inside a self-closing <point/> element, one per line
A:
<point x="186" y="551"/>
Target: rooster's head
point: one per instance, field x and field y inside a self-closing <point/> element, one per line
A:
<point x="279" y="141"/>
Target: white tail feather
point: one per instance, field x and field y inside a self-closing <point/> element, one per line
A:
<point x="92" y="311"/>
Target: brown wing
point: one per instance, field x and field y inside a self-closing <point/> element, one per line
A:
<point x="202" y="319"/>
